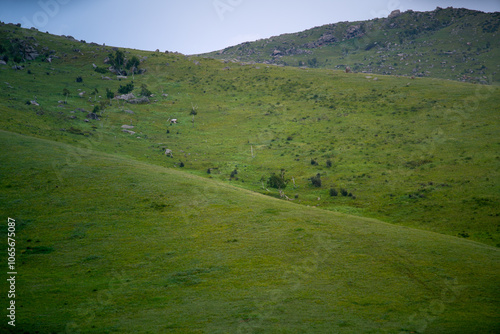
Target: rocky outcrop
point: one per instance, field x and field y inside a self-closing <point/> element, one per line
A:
<point x="354" y="31"/>
<point x="24" y="48"/>
<point x="323" y="40"/>
<point x="394" y="14"/>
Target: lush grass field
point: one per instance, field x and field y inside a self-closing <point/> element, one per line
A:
<point x="119" y="246"/>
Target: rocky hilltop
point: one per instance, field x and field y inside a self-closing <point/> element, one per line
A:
<point x="450" y="43"/>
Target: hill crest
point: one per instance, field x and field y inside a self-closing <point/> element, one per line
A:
<point x="458" y="44"/>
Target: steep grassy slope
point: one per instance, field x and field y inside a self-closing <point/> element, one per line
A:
<point x="449" y="43"/>
<point x="421" y="153"/>
<point x="119" y="246"/>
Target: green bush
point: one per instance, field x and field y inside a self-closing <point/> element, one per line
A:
<point x="276" y="181"/>
<point x="126" y="89"/>
<point x="316" y="180"/>
<point x="101" y="70"/>
<point x="145" y="91"/>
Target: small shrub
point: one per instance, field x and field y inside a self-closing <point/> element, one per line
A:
<point x="109" y="94"/>
<point x="79" y="79"/>
<point x="333" y="192"/>
<point x="126" y="89"/>
<point x="145" y="91"/>
<point x="316" y="180"/>
<point x="101" y="70"/>
<point x="344" y="192"/>
<point x="181" y="164"/>
<point x="234" y="173"/>
<point x="276" y="181"/>
<point x="314" y="162"/>
<point x="328" y="163"/>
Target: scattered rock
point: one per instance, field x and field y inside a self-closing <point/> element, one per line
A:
<point x="129" y="112"/>
<point x="139" y="100"/>
<point x="2" y="62"/>
<point x="34" y="103"/>
<point x="128" y="131"/>
<point x="125" y="97"/>
<point x="127" y="126"/>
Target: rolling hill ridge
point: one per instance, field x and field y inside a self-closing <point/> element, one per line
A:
<point x="450" y="43"/>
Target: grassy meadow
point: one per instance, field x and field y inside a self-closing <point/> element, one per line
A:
<point x="116" y="248"/>
<point x="113" y="236"/>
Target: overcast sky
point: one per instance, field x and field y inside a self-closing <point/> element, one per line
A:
<point x="197" y="26"/>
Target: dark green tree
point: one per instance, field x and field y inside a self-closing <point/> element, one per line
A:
<point x="133" y="64"/>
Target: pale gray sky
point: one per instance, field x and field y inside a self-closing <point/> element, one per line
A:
<point x="197" y="26"/>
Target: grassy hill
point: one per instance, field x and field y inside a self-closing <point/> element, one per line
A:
<point x="451" y="43"/>
<point x="121" y="246"/>
<point x="116" y="236"/>
<point x="420" y="153"/>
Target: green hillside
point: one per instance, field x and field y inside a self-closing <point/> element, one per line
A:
<point x="420" y="153"/>
<point x="451" y="43"/>
<point x="293" y="200"/>
<point x="120" y="246"/>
